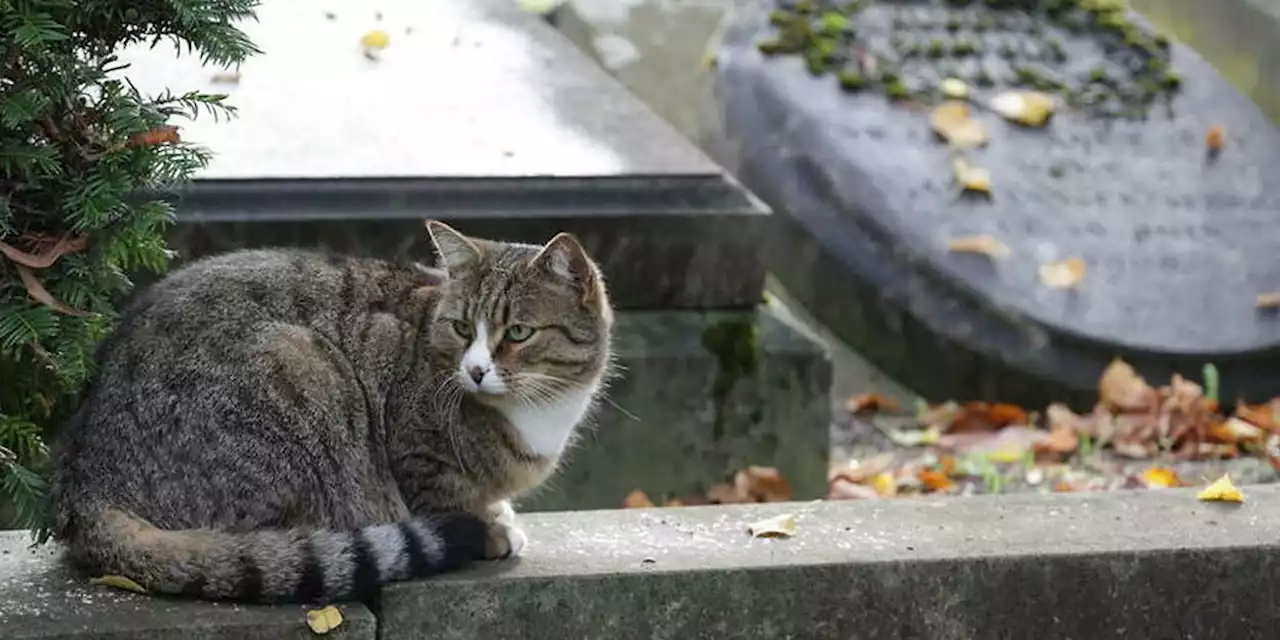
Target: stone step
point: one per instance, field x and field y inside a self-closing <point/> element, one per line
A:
<point x="1135" y="565"/>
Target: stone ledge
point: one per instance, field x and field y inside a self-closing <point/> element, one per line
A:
<point x="1128" y="565"/>
<point x="1133" y="565"/>
<point x="40" y="600"/>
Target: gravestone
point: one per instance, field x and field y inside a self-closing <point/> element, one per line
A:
<point x="1178" y="242"/>
<point x="484" y="117"/>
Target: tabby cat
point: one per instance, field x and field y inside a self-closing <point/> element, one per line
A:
<point x="282" y="425"/>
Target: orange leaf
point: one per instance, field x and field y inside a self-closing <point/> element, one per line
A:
<point x="949" y="465"/>
<point x="637" y="500"/>
<point x="1260" y="415"/>
<point x="159" y="135"/>
<point x="1122" y="389"/>
<point x="762" y="484"/>
<point x="36" y="290"/>
<point x="870" y="402"/>
<point x="934" y="480"/>
<point x="980" y="416"/>
<point x="1062" y="486"/>
<point x="1216" y="138"/>
<point x="1160" y="477"/>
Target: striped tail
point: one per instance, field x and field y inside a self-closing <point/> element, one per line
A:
<point x="297" y="565"/>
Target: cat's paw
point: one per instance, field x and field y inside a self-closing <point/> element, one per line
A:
<point x="505" y="541"/>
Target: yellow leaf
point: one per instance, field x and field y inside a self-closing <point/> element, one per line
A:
<point x="953" y="120"/>
<point x="324" y="620"/>
<point x="1161" y="478"/>
<point x="1221" y="491"/>
<point x="971" y="178"/>
<point x="1065" y="274"/>
<point x="119" y="582"/>
<point x="1030" y="108"/>
<point x="376" y="39"/>
<point x="885" y="484"/>
<point x="1007" y="455"/>
<point x="989" y="246"/>
<point x="955" y="88"/>
<point x="783" y="526"/>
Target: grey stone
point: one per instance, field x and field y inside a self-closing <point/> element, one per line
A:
<point x="476" y="114"/>
<point x="1127" y="565"/>
<point x="41" y="600"/>
<point x="867" y="206"/>
<point x="680" y="419"/>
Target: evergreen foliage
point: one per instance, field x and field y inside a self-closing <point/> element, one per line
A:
<point x="78" y="144"/>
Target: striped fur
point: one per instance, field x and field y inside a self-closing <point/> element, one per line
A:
<point x="277" y="425"/>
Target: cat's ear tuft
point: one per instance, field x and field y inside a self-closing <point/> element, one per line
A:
<point x="456" y="250"/>
<point x="564" y="257"/>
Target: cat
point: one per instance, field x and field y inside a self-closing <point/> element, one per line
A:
<point x="291" y="426"/>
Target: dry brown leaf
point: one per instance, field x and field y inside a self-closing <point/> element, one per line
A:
<point x="1065" y="274"/>
<point x="953" y="120"/>
<point x="1135" y="450"/>
<point x="36" y="290"/>
<point x="935" y="481"/>
<point x="1268" y="300"/>
<point x="673" y="502"/>
<point x="1235" y="430"/>
<point x="1062" y="440"/>
<point x="1262" y="416"/>
<point x="762" y="484"/>
<point x="159" y="135"/>
<point x="980" y="416"/>
<point x="949" y="465"/>
<point x="1122" y="389"/>
<point x="988" y="246"/>
<point x="226" y="77"/>
<point x="637" y="500"/>
<point x="47" y="257"/>
<point x="1062" y="486"/>
<point x="859" y="472"/>
<point x="870" y="402"/>
<point x="725" y="493"/>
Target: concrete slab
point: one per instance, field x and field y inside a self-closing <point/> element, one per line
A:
<point x="1155" y="564"/>
<point x="41" y="600"/>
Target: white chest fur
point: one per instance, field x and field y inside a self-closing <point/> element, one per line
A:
<point x="547" y="428"/>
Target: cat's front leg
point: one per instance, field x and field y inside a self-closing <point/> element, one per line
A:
<point x="506" y="539"/>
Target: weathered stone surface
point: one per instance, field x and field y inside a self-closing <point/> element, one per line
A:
<point x="476" y="113"/>
<point x="1131" y="565"/>
<point x="680" y="419"/>
<point x="41" y="600"/>
<point x="870" y="208"/>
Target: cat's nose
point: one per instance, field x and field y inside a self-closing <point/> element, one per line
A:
<point x="477" y="373"/>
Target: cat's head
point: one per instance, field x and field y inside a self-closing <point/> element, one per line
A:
<point x="521" y="324"/>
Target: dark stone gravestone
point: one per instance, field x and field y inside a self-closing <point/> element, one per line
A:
<point x="484" y="117"/>
<point x="1178" y="243"/>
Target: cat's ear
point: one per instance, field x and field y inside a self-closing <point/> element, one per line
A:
<point x="564" y="257"/>
<point x="456" y="250"/>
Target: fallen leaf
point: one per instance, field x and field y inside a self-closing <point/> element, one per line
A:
<point x="971" y="178"/>
<point x="782" y="526"/>
<point x="986" y="245"/>
<point x="1216" y="138"/>
<point x="118" y="582"/>
<point x="1221" y="491"/>
<point x="159" y="135"/>
<point x="1262" y="416"/>
<point x="953" y="121"/>
<point x="1268" y="300"/>
<point x="1062" y="440"/>
<point x="1030" y="108"/>
<point x="1160" y="478"/>
<point x="324" y="620"/>
<point x="885" y="484"/>
<point x="842" y="489"/>
<point x="1062" y="486"/>
<point x="859" y="472"/>
<point x="1065" y="274"/>
<point x="915" y="437"/>
<point x="1010" y="444"/>
<point x="981" y="416"/>
<point x="1234" y="430"/>
<point x="869" y="402"/>
<point x="637" y="500"/>
<point x="1122" y="389"/>
<point x="955" y="88"/>
<point x="376" y="40"/>
<point x="935" y="481"/>
<point x="673" y="502"/>
<point x="1135" y="450"/>
<point x="762" y="484"/>
<point x="949" y="465"/>
<point x="36" y="290"/>
<point x="724" y="493"/>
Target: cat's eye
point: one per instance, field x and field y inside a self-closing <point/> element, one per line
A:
<point x="462" y="328"/>
<point x="518" y="333"/>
